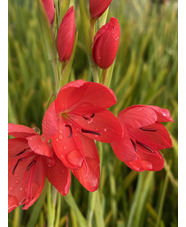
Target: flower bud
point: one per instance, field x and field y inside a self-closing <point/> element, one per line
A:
<point x="98" y="7"/>
<point x="49" y="9"/>
<point x="106" y="43"/>
<point x="66" y="35"/>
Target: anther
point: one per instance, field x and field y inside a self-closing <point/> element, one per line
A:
<point x="68" y="126"/>
<point x="148" y="129"/>
<point x="145" y="146"/>
<point x="134" y="145"/>
<point x="13" y="171"/>
<point x="20" y="153"/>
<point x="30" y="165"/>
<point x="90" y="132"/>
<point x="88" y="118"/>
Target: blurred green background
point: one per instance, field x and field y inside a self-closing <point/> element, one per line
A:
<point x="145" y="72"/>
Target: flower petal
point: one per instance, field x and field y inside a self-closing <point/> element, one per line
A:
<point x="147" y="160"/>
<point x="137" y="116"/>
<point x="103" y="126"/>
<point x="124" y="149"/>
<point x="49" y="124"/>
<point x="24" y="184"/>
<point x="88" y="175"/>
<point x="38" y="145"/>
<point x="162" y="114"/>
<point x="155" y="135"/>
<point x="81" y="92"/>
<point x="20" y="131"/>
<point x="65" y="146"/>
<point x="16" y="145"/>
<point x="58" y="174"/>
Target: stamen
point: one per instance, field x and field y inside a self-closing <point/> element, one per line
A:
<point x="20" y="152"/>
<point x="148" y="129"/>
<point x="30" y="165"/>
<point x="91" y="132"/>
<point x="70" y="130"/>
<point x="88" y="118"/>
<point x="13" y="171"/>
<point x="92" y="115"/>
<point x="135" y="148"/>
<point x="145" y="146"/>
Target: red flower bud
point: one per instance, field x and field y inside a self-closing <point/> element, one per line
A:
<point x="66" y="35"/>
<point x="98" y="7"/>
<point x="106" y="43"/>
<point x="49" y="9"/>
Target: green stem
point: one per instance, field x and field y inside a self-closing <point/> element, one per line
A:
<point x="104" y="75"/>
<point x="55" y="70"/>
<point x="71" y="202"/>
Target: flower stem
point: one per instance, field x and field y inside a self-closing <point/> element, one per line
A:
<point x="71" y="202"/>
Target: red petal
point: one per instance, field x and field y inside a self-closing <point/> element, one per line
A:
<point x="65" y="35"/>
<point x="154" y="135"/>
<point x="49" y="124"/>
<point x="98" y="7"/>
<point x="66" y="147"/>
<point x="80" y="92"/>
<point x="39" y="146"/>
<point x="137" y="116"/>
<point x="88" y="175"/>
<point x="58" y="174"/>
<point x="104" y="126"/>
<point x="19" y="185"/>
<point x="163" y="114"/>
<point x="124" y="149"/>
<point x="20" y="131"/>
<point x="147" y="161"/>
<point x="16" y="145"/>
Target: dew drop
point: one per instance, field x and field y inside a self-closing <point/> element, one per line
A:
<point x="57" y="140"/>
<point x="60" y="137"/>
<point x="21" y="189"/>
<point x="10" y="188"/>
<point x="50" y="162"/>
<point x="147" y="165"/>
<point x="75" y="158"/>
<point x="105" y="130"/>
<point x="60" y="131"/>
<point x="65" y="148"/>
<point x="16" y="181"/>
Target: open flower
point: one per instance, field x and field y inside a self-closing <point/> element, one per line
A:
<point x="143" y="137"/>
<point x="49" y="9"/>
<point x="66" y="35"/>
<point x="106" y="43"/>
<point x="30" y="159"/>
<point x="98" y="7"/>
<point x="76" y="118"/>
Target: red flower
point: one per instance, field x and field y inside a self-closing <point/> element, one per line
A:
<point x="30" y="159"/>
<point x="98" y="7"/>
<point x="66" y="35"/>
<point x="76" y="118"/>
<point x="106" y="43"/>
<point x="49" y="9"/>
<point x="143" y="137"/>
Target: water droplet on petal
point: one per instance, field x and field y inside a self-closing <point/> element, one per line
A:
<point x="16" y="181"/>
<point x="10" y="188"/>
<point x="60" y="131"/>
<point x="57" y="140"/>
<point x="65" y="148"/>
<point x="75" y="158"/>
<point x="147" y="165"/>
<point x="60" y="137"/>
<point x="105" y="130"/>
<point x="21" y="189"/>
<point x="50" y="162"/>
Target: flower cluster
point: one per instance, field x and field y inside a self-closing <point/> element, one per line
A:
<point x="77" y="118"/>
